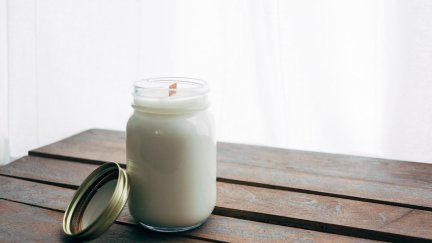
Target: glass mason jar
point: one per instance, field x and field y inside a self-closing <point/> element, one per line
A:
<point x="171" y="154"/>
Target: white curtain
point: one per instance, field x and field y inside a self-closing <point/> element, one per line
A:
<point x="339" y="76"/>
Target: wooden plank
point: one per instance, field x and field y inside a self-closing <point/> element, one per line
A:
<point x="368" y="191"/>
<point x="216" y="228"/>
<point x="93" y="145"/>
<point x="275" y="206"/>
<point x="359" y="178"/>
<point x="108" y="145"/>
<point x="24" y="223"/>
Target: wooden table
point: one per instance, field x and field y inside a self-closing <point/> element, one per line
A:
<point x="264" y="195"/>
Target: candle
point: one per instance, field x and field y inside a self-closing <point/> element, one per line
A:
<point x="171" y="154"/>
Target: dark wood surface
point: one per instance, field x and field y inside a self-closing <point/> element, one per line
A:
<point x="264" y="195"/>
<point x="360" y="178"/>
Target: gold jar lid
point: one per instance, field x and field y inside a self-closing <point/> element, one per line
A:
<point x="97" y="203"/>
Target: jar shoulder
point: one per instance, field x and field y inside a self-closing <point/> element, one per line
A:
<point x="201" y="123"/>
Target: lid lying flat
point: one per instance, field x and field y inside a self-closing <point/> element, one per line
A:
<point x="97" y="203"/>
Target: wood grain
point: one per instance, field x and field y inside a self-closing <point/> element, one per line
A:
<point x="352" y="177"/>
<point x="25" y="223"/>
<point x="275" y="206"/>
<point x="334" y="186"/>
<point x="218" y="228"/>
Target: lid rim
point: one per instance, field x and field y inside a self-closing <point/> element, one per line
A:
<point x="109" y="214"/>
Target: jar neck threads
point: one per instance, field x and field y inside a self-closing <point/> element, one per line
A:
<point x="170" y="95"/>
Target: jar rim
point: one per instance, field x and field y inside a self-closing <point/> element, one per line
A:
<point x="194" y="86"/>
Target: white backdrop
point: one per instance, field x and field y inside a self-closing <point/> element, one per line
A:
<point x="340" y="76"/>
